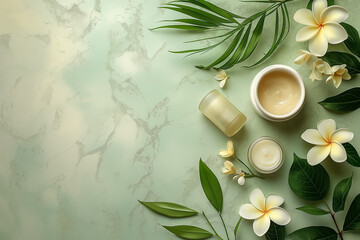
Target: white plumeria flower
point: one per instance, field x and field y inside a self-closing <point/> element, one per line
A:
<point x="229" y="151"/>
<point x="222" y="77"/>
<point x="339" y="72"/>
<point x="240" y="177"/>
<point x="320" y="67"/>
<point x="228" y="168"/>
<point x="322" y="26"/>
<point x="305" y="57"/>
<point x="328" y="141"/>
<point x="262" y="210"/>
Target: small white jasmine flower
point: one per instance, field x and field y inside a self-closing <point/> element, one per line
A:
<point x="339" y="72"/>
<point x="222" y="77"/>
<point x="264" y="210"/>
<point x="305" y="57"/>
<point x="320" y="67"/>
<point x="229" y="151"/>
<point x="240" y="177"/>
<point x="328" y="141"/>
<point x="228" y="168"/>
<point x="322" y="26"/>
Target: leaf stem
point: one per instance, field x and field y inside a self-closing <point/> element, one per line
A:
<point x="207" y="220"/>
<point x="227" y="235"/>
<point x="252" y="174"/>
<point x="334" y="220"/>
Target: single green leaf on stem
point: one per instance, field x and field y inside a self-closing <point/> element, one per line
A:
<point x="311" y="183"/>
<point x="338" y="58"/>
<point x="352" y="219"/>
<point x="168" y="209"/>
<point x="309" y="5"/>
<point x="344" y="102"/>
<point x="237" y="227"/>
<point x="341" y="192"/>
<point x="211" y="186"/>
<point x="353" y="40"/>
<point x="275" y="232"/>
<point x="353" y="157"/>
<point x="189" y="232"/>
<point x="313" y="233"/>
<point x="313" y="210"/>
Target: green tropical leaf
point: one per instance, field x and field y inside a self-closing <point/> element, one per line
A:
<point x="344" y="102"/>
<point x="194" y="22"/>
<point x="189" y="232"/>
<point x="338" y="58"/>
<point x="352" y="219"/>
<point x="313" y="233"/>
<point x="352" y="155"/>
<point x="168" y="209"/>
<point x="275" y="232"/>
<point x="353" y="41"/>
<point x="211" y="186"/>
<point x="237" y="227"/>
<point x="313" y="210"/>
<point x="309" y="5"/>
<point x="341" y="192"/>
<point x="308" y="182"/>
<point x="183" y="27"/>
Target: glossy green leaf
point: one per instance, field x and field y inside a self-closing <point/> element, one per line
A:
<point x="353" y="157"/>
<point x="309" y="5"/>
<point x="211" y="186"/>
<point x="313" y="233"/>
<point x="168" y="209"/>
<point x="352" y="219"/>
<point x="344" y="102"/>
<point x="313" y="210"/>
<point x="189" y="232"/>
<point x="275" y="232"/>
<point x="353" y="40"/>
<point x="308" y="182"/>
<point x="237" y="227"/>
<point x="341" y="192"/>
<point x="338" y="58"/>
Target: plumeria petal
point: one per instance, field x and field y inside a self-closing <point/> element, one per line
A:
<point x="326" y="128"/>
<point x="220" y="75"/>
<point x="318" y="7"/>
<point x="305" y="16"/>
<point x="318" y="45"/>
<point x="334" y="32"/>
<point x="314" y="137"/>
<point x="248" y="211"/>
<point x="342" y="135"/>
<point x="301" y="59"/>
<point x="241" y="180"/>
<point x="230" y="147"/>
<point x="306" y="33"/>
<point x="222" y="83"/>
<point x="257" y="199"/>
<point x="346" y="76"/>
<point x="334" y="14"/>
<point x="338" y="153"/>
<point x="272" y="201"/>
<point x="318" y="154"/>
<point x="279" y="216"/>
<point x="224" y="153"/>
<point x="261" y="225"/>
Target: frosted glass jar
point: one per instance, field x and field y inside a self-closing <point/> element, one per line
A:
<point x="265" y="155"/>
<point x="222" y="113"/>
<point x="277" y="93"/>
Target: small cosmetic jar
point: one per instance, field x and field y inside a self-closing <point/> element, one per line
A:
<point x="277" y="93"/>
<point x="222" y="113"/>
<point x="265" y="155"/>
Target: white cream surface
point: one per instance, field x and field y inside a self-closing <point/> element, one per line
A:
<point x="266" y="155"/>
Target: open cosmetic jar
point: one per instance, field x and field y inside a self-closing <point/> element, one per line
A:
<point x="277" y="93"/>
<point x="222" y="113"/>
<point x="265" y="155"/>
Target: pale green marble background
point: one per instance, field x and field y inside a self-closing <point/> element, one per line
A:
<point x="95" y="113"/>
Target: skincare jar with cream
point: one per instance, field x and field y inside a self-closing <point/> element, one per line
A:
<point x="265" y="155"/>
<point x="222" y="113"/>
<point x="277" y="93"/>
